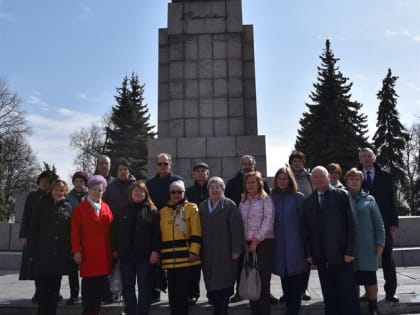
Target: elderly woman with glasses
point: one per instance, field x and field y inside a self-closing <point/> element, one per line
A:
<point x="222" y="244"/>
<point x="370" y="237"/>
<point x="180" y="247"/>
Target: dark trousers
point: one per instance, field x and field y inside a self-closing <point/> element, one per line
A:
<point x="92" y="292"/>
<point x="240" y="262"/>
<point x="194" y="290"/>
<point x="48" y="290"/>
<point x="306" y="276"/>
<point x="292" y="289"/>
<point x="178" y="285"/>
<point x="265" y="265"/>
<point x="388" y="266"/>
<point x="131" y="272"/>
<point x="74" y="279"/>
<point x="220" y="300"/>
<point x="339" y="289"/>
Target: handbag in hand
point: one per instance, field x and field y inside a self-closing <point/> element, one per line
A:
<point x="250" y="282"/>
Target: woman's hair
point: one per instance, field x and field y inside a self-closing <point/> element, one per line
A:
<point x="292" y="186"/>
<point x="296" y="155"/>
<point x="260" y="181"/>
<point x="334" y="167"/>
<point x="142" y="186"/>
<point x="97" y="179"/>
<point x="216" y="180"/>
<point x="179" y="184"/>
<point x="60" y="183"/>
<point x="354" y="172"/>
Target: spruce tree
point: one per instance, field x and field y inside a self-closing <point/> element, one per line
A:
<point x="129" y="128"/>
<point x="390" y="137"/>
<point x="333" y="129"/>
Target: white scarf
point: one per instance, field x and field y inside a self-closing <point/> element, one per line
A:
<point x="95" y="205"/>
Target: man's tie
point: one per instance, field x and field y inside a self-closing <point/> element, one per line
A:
<point x="321" y="199"/>
<point x="369" y="181"/>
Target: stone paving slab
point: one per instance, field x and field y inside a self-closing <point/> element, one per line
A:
<point x="15" y="297"/>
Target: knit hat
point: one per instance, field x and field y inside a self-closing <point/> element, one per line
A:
<point x="82" y="175"/>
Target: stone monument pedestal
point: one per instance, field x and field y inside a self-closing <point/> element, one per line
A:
<point x="207" y="101"/>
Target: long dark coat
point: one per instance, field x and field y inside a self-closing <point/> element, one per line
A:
<point x="31" y="203"/>
<point x="49" y="237"/>
<point x="222" y="235"/>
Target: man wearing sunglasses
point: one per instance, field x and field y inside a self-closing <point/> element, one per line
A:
<point x="159" y="184"/>
<point x="158" y="187"/>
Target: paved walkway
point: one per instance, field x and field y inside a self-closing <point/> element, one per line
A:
<point x="15" y="297"/>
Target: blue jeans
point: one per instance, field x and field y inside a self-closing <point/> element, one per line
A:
<point x="131" y="272"/>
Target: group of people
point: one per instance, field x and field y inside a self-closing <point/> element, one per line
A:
<point x="162" y="227"/>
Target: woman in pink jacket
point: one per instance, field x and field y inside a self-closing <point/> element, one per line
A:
<point x="258" y="217"/>
<point x="91" y="244"/>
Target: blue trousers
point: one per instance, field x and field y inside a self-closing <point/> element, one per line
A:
<point x="140" y="272"/>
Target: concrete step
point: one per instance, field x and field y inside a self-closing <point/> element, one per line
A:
<point x="24" y="307"/>
<point x="10" y="260"/>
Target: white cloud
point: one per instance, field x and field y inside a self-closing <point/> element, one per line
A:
<point x="82" y="96"/>
<point x="413" y="86"/>
<point x="397" y="32"/>
<point x="416" y="38"/>
<point x="51" y="135"/>
<point x="277" y="154"/>
<point x="36" y="100"/>
<point x="418" y="102"/>
<point x="86" y="12"/>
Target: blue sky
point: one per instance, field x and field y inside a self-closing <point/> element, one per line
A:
<point x="65" y="59"/>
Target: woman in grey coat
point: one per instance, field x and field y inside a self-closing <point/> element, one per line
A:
<point x="370" y="237"/>
<point x="222" y="243"/>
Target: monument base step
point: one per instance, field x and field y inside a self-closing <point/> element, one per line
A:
<point x="409" y="304"/>
<point x="10" y="260"/>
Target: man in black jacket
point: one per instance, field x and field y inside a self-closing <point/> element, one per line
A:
<point x="197" y="193"/>
<point x="330" y="233"/>
<point x="379" y="184"/>
<point x="158" y="187"/>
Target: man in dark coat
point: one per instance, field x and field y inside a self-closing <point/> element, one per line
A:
<point x="379" y="184"/>
<point x="103" y="167"/>
<point x="43" y="181"/>
<point x="329" y="233"/>
<point x="158" y="187"/>
<point x="197" y="193"/>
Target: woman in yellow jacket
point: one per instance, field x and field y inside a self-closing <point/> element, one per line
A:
<point x="180" y="248"/>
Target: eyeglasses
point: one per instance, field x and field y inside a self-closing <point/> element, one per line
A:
<point x="163" y="163"/>
<point x="178" y="192"/>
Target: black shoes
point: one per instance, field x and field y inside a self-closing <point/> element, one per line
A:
<point x="192" y="301"/>
<point x="392" y="298"/>
<point x="155" y="299"/>
<point x="72" y="300"/>
<point x="35" y="299"/>
<point x="273" y="300"/>
<point x="236" y="298"/>
<point x="282" y="299"/>
<point x="306" y="296"/>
